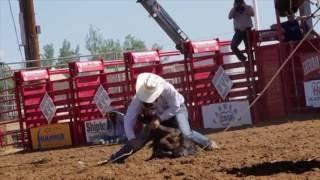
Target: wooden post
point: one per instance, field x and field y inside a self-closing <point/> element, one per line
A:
<point x="31" y="46"/>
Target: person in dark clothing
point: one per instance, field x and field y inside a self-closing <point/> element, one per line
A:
<point x="291" y="29"/>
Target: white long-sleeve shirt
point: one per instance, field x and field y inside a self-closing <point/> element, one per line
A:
<point x="167" y="105"/>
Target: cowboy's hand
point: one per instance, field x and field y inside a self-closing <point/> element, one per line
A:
<point x="155" y="124"/>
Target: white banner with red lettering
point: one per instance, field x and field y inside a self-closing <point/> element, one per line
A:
<point x="312" y="93"/>
<point x="222" y="115"/>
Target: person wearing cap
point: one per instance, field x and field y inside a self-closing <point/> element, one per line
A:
<point x="154" y="92"/>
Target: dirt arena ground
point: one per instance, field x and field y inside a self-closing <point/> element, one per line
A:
<point x="284" y="151"/>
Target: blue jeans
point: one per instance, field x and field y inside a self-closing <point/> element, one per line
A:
<point x="184" y="126"/>
<point x="238" y="37"/>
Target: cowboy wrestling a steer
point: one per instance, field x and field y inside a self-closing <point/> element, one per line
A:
<point x="160" y="107"/>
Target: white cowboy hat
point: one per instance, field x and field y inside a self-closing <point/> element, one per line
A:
<point x="149" y="87"/>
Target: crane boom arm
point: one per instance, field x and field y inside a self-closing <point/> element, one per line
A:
<point x="165" y="22"/>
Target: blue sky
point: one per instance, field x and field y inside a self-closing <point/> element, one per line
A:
<point x="71" y="19"/>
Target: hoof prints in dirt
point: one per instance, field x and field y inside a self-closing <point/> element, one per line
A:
<point x="269" y="168"/>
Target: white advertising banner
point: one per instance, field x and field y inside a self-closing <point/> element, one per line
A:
<point x="221" y="115"/>
<point x="222" y="82"/>
<point x="98" y="129"/>
<point x="312" y="93"/>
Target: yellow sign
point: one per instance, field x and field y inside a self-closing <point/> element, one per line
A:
<point x="51" y="136"/>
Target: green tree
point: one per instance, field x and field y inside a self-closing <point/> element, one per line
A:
<point x="97" y="44"/>
<point x="94" y="41"/>
<point x="66" y="52"/>
<point x="48" y="53"/>
<point x="5" y="72"/>
<point x="112" y="46"/>
<point x="132" y="43"/>
<point x="6" y="85"/>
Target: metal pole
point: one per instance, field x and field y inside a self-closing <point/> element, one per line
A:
<point x="256" y="14"/>
<point x="305" y="10"/>
<point x="2" y="106"/>
<point x="2" y="70"/>
<point x="279" y="33"/>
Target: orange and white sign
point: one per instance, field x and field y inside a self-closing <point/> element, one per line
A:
<point x="51" y="136"/>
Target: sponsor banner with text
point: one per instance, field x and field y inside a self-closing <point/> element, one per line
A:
<point x="221" y="115"/>
<point x="312" y="93"/>
<point x="50" y="136"/>
<point x="99" y="129"/>
<point x="310" y="65"/>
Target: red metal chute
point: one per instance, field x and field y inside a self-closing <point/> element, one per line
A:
<point x="145" y="57"/>
<point x="89" y="66"/>
<point x="205" y="46"/>
<point x="34" y="75"/>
